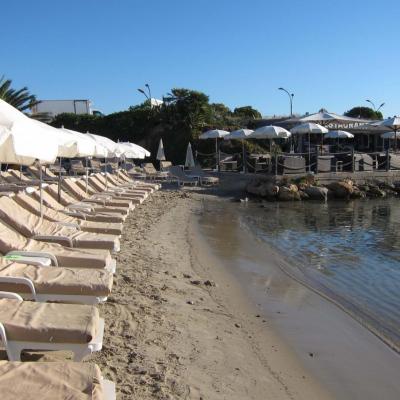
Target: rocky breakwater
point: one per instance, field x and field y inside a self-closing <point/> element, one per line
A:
<point x="309" y="189"/>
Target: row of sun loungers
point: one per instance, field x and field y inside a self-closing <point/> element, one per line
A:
<point x="56" y="264"/>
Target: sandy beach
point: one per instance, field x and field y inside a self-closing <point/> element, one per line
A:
<point x="179" y="327"/>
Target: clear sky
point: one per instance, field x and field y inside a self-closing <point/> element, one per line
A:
<point x="331" y="54"/>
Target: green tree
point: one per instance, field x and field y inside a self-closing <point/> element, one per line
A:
<point x="246" y="112"/>
<point x="20" y="99"/>
<point x="363" y="112"/>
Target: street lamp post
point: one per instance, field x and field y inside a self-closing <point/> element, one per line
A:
<point x="291" y="95"/>
<point x="373" y="105"/>
<point x="144" y="93"/>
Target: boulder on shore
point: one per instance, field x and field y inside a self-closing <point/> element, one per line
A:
<point x="341" y="190"/>
<point x="289" y="193"/>
<point x="316" y="192"/>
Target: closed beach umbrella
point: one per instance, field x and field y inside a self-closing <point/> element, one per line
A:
<point x="240" y="134"/>
<point x="309" y="128"/>
<point x="189" y="161"/>
<point x="214" y="134"/>
<point x="160" y="151"/>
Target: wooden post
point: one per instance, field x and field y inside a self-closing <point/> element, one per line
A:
<point x="387" y="160"/>
<point x="352" y="161"/>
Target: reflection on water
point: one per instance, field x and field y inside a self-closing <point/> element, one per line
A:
<point x="349" y="251"/>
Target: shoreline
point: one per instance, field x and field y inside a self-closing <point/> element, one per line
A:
<point x="185" y="323"/>
<point x="172" y="334"/>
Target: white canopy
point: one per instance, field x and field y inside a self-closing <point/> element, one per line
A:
<point x="214" y="134"/>
<point x="22" y="141"/>
<point x="189" y="161"/>
<point x="325" y="116"/>
<point x="238" y="134"/>
<point x="309" y="128"/>
<point x="132" y="150"/>
<point x="85" y="146"/>
<point x="393" y="123"/>
<point x="390" y="135"/>
<point x="270" y="132"/>
<point x="108" y="144"/>
<point x="160" y="151"/>
<point x="338" y="135"/>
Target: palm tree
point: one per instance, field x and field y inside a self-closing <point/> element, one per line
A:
<point x="20" y="99"/>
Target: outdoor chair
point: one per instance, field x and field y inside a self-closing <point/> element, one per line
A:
<point x="48" y="326"/>
<point x="12" y="243"/>
<point x="205" y="180"/>
<point x="77" y="167"/>
<point x="60" y="284"/>
<point x="54" y="380"/>
<point x="181" y="177"/>
<point x="66" y="234"/>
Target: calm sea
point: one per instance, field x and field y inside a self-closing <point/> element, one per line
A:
<point x="350" y="252"/>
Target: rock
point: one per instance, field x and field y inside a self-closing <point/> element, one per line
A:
<point x="238" y="325"/>
<point x="187" y="276"/>
<point x="263" y="188"/>
<point x="375" y="191"/>
<point x="288" y="193"/>
<point x="190" y="302"/>
<point x="196" y="282"/>
<point x="341" y="190"/>
<point x="209" y="283"/>
<point x="316" y="192"/>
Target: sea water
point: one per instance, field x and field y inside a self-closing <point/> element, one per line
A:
<point x="347" y="251"/>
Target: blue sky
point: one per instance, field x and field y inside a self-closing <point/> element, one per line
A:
<point x="332" y="54"/>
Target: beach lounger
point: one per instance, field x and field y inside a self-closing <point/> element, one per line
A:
<point x="14" y="177"/>
<point x="33" y="205"/>
<point x="60" y="284"/>
<point x="101" y="186"/>
<point x="47" y="175"/>
<point x="124" y="176"/>
<point x="28" y="325"/>
<point x="72" y="205"/>
<point x="153" y="174"/>
<point x="53" y="381"/>
<point x="70" y="185"/>
<point x="181" y="177"/>
<point x="77" y="167"/>
<point x="204" y="179"/>
<point x="34" y="227"/>
<point x="116" y="182"/>
<point x="13" y="244"/>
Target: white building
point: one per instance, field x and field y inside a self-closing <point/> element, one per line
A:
<point x="55" y="107"/>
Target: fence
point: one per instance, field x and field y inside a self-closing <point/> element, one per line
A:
<point x="302" y="163"/>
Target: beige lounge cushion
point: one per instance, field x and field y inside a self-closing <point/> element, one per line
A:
<point x="31" y="225"/>
<point x="48" y="322"/>
<point x="67" y="257"/>
<point x="57" y="280"/>
<point x="50" y="381"/>
<point x="33" y="206"/>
